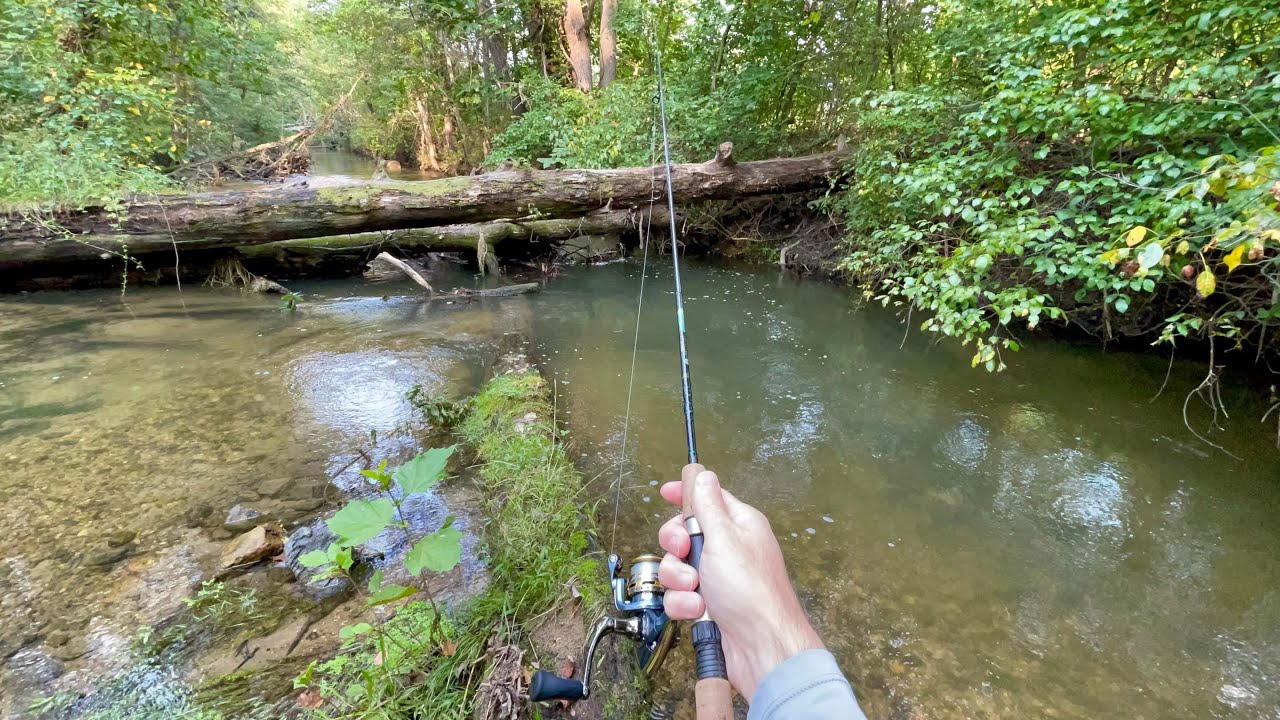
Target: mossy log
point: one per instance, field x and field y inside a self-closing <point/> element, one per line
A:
<point x="203" y="221"/>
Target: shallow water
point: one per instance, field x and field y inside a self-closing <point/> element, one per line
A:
<point x="1046" y="542"/>
<point x="1043" y="542"/>
<point x="155" y="415"/>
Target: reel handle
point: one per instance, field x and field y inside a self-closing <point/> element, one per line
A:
<point x="547" y="686"/>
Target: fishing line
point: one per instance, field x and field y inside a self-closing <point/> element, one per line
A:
<point x="647" y="227"/>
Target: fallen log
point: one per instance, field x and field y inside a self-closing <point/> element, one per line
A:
<point x="201" y="221"/>
<point x="505" y="291"/>
<point x="497" y="236"/>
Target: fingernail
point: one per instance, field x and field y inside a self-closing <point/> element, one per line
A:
<point x="705" y="480"/>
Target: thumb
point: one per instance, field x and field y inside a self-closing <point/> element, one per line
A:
<point x="709" y="503"/>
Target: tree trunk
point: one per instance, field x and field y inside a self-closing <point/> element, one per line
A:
<point x="575" y="36"/>
<point x="428" y="157"/>
<point x="608" y="43"/>
<point x="200" y="221"/>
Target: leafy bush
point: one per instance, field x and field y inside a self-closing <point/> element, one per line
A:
<point x="1088" y="162"/>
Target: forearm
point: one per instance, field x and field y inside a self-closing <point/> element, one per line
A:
<point x="809" y="685"/>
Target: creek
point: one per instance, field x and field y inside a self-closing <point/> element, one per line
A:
<point x="1043" y="542"/>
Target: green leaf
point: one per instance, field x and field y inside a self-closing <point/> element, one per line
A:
<point x="313" y="559"/>
<point x="388" y="594"/>
<point x="375" y="582"/>
<point x="1122" y="303"/>
<point x="439" y="551"/>
<point x="350" y="631"/>
<point x="343" y="558"/>
<point x="361" y="520"/>
<point x="1150" y="256"/>
<point x="424" y="471"/>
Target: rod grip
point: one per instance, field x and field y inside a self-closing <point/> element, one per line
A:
<point x="713" y="699"/>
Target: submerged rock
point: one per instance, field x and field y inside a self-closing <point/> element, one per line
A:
<point x="119" y="539"/>
<point x="241" y="518"/>
<point x="253" y="546"/>
<point x="107" y="556"/>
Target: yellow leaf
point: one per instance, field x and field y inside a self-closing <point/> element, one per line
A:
<point x="135" y="110"/>
<point x="1135" y="236"/>
<point x="1233" y="258"/>
<point x="173" y="148"/>
<point x="48" y="98"/>
<point x="1110" y="257"/>
<point x="147" y="138"/>
<point x="1183" y="247"/>
<point x="1272" y="234"/>
<point x="1206" y="283"/>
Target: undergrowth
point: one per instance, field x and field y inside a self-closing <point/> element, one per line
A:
<point x="536" y="540"/>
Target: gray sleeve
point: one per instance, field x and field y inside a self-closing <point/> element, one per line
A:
<point x="808" y="686"/>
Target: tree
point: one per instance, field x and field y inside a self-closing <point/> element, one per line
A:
<point x="608" y="43"/>
<point x="579" y="45"/>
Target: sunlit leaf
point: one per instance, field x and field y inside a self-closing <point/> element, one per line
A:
<point x="439" y="552"/>
<point x="350" y="631"/>
<point x="361" y="520"/>
<point x="1206" y="283"/>
<point x="1136" y="235"/>
<point x="424" y="471"/>
<point x="1235" y="257"/>
<point x="315" y="558"/>
<point x="1183" y="248"/>
<point x="388" y="594"/>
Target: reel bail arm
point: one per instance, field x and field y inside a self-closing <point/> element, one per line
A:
<point x="641" y="617"/>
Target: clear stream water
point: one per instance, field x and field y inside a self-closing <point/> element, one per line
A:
<point x="1046" y="542"/>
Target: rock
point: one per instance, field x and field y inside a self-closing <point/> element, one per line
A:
<point x="107" y="556"/>
<point x="280" y="574"/>
<point x="32" y="667"/>
<point x="312" y="536"/>
<point x="271" y="287"/>
<point x="241" y="518"/>
<point x="197" y="515"/>
<point x="118" y="539"/>
<point x="253" y="546"/>
<point x="393" y="166"/>
<point x="71" y="649"/>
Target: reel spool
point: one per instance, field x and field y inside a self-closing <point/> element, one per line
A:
<point x="642" y="617"/>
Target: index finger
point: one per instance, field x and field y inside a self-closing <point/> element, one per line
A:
<point x="672" y="492"/>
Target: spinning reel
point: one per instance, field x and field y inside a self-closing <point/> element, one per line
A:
<point x="642" y="617"/>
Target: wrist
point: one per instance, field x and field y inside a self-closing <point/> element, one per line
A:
<point x="790" y="636"/>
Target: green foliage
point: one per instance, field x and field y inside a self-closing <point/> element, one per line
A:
<point x="360" y="521"/>
<point x="1009" y="191"/>
<point x="439" y="412"/>
<point x="97" y="97"/>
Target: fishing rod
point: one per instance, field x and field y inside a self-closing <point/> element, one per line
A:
<point x="639" y="596"/>
<point x="713" y="696"/>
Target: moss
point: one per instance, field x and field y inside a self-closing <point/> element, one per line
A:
<point x="362" y="195"/>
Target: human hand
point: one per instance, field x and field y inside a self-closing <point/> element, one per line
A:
<point x="743" y="581"/>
